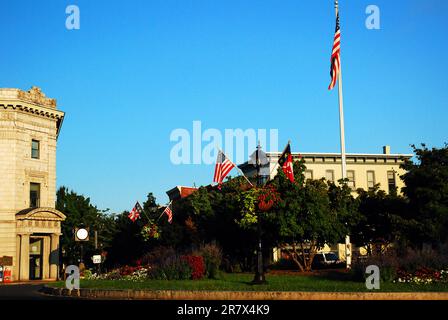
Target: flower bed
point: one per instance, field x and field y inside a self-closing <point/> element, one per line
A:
<point x="136" y="274"/>
<point x="422" y="276"/>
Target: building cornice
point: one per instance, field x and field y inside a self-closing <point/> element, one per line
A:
<point x="336" y="158"/>
<point x="33" y="101"/>
<point x="30" y="108"/>
<point x="338" y="155"/>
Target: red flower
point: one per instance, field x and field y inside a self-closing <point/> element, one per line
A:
<point x="197" y="265"/>
<point x="267" y="198"/>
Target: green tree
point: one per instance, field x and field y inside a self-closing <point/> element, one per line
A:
<point x="215" y="214"/>
<point x="311" y="214"/>
<point x="426" y="188"/>
<point x="81" y="213"/>
<point x="128" y="244"/>
<point x="381" y="220"/>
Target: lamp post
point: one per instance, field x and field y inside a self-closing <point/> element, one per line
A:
<point x="259" y="274"/>
<point x="81" y="235"/>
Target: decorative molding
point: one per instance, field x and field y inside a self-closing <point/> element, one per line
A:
<point x="41" y="214"/>
<point x="35" y="95"/>
<point x="52" y="114"/>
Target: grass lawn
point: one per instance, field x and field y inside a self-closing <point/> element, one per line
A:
<point x="276" y="282"/>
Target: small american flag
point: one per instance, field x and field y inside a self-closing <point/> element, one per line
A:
<point x="169" y="213"/>
<point x="135" y="213"/>
<point x="222" y="168"/>
<point x="336" y="53"/>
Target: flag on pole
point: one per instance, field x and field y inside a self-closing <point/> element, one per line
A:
<point x="285" y="161"/>
<point x="135" y="213"/>
<point x="336" y="53"/>
<point x="169" y="213"/>
<point x="222" y="168"/>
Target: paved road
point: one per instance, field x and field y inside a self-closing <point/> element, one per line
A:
<point x="25" y="292"/>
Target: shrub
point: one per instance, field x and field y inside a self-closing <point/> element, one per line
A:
<point x="283" y="264"/>
<point x="157" y="256"/>
<point x="172" y="268"/>
<point x="387" y="263"/>
<point x="86" y="274"/>
<point x="416" y="266"/>
<point x="113" y="275"/>
<point x="197" y="266"/>
<point x="212" y="255"/>
<point x="415" y="260"/>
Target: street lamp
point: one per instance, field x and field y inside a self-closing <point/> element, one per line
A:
<point x="81" y="235"/>
<point x="259" y="274"/>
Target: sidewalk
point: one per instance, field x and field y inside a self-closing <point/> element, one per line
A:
<point x="36" y="282"/>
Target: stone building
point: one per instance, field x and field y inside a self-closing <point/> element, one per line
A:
<point x="30" y="225"/>
<point x="364" y="170"/>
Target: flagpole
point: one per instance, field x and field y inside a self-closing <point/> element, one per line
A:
<point x="143" y="210"/>
<point x="236" y="167"/>
<point x="164" y="211"/>
<point x="341" y="111"/>
<point x="348" y="259"/>
<point x="277" y="164"/>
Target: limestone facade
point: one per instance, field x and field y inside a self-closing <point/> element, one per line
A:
<point x="29" y="223"/>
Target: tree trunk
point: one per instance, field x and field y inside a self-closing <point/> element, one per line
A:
<point x="293" y="254"/>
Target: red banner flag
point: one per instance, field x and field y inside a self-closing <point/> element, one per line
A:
<point x="136" y="211"/>
<point x="286" y="163"/>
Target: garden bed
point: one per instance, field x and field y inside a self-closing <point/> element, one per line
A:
<point x="322" y="282"/>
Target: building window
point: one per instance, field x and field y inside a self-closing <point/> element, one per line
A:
<point x="370" y="180"/>
<point x="329" y="175"/>
<point x="34" y="195"/>
<point x="391" y="181"/>
<point x="35" y="149"/>
<point x="351" y="179"/>
<point x="308" y="174"/>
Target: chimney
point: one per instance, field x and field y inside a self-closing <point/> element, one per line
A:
<point x="386" y="150"/>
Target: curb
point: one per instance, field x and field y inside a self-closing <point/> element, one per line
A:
<point x="239" y="295"/>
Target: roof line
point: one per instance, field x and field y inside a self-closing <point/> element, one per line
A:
<point x="347" y="154"/>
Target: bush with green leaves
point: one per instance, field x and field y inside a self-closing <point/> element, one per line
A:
<point x="172" y="268"/>
<point x="157" y="256"/>
<point x="387" y="263"/>
<point x="212" y="255"/>
<point x="414" y="260"/>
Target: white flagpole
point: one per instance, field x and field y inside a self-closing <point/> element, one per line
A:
<point x="348" y="258"/>
<point x="164" y="210"/>
<point x="341" y="111"/>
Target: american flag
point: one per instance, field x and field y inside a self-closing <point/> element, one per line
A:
<point x="336" y="53"/>
<point x="169" y="213"/>
<point x="222" y="168"/>
<point x="135" y="213"/>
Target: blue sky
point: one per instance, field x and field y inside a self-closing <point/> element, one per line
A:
<point x="136" y="70"/>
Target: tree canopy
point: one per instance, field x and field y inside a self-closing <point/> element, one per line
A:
<point x="426" y="181"/>
<point x="302" y="217"/>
